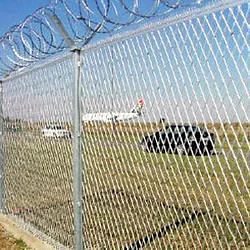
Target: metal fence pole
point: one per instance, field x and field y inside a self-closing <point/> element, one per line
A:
<point x="77" y="164"/>
<point x="2" y="195"/>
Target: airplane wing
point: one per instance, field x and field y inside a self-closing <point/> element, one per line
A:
<point x="126" y="116"/>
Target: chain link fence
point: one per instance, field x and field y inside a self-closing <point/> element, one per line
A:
<point x="165" y="132"/>
<point x="192" y="73"/>
<point x="37" y="106"/>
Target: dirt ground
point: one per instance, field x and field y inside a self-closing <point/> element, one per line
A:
<point x="14" y="237"/>
<point x="8" y="242"/>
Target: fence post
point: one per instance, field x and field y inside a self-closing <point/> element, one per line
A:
<point x="77" y="157"/>
<point x="77" y="164"/>
<point x="2" y="194"/>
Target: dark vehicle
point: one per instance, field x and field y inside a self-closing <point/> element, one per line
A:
<point x="180" y="139"/>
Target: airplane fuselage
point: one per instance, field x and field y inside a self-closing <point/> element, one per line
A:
<point x="109" y="117"/>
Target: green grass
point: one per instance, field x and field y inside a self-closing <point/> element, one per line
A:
<point x="21" y="245"/>
<point x="130" y="193"/>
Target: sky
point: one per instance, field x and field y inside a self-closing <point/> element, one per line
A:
<point x="13" y="12"/>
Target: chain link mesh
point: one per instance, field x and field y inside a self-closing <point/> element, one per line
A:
<point x="177" y="174"/>
<point x="38" y="162"/>
<point x="193" y="72"/>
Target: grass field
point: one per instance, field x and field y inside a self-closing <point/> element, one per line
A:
<point x="133" y="198"/>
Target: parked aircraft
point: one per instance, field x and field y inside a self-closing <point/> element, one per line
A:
<point x="115" y="116"/>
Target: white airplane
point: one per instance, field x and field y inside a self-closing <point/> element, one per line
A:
<point x="113" y="116"/>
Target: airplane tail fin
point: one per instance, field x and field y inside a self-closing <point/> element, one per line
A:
<point x="139" y="106"/>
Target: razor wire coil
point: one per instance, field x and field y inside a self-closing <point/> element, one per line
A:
<point x="36" y="38"/>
